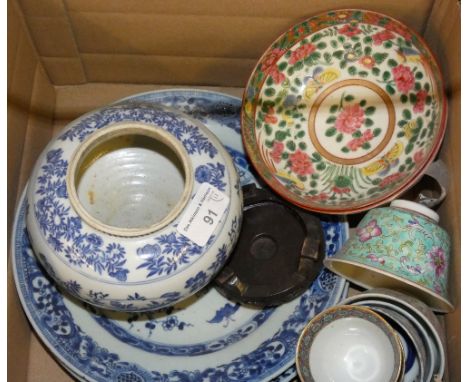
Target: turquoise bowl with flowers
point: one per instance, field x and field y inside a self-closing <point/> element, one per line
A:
<point x="399" y="247"/>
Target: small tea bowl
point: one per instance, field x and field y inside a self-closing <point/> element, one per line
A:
<point x="349" y="343"/>
<point x="399" y="247"/>
<point x="134" y="207"/>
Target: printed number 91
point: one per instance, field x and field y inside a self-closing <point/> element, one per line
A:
<point x="208" y="219"/>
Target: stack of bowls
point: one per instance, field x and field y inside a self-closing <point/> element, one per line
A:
<point x="347" y="342"/>
<point x="416" y="324"/>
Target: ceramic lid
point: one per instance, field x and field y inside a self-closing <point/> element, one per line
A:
<point x="416" y="207"/>
<point x="278" y="255"/>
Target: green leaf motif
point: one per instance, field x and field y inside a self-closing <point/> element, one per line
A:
<point x="390" y="89"/>
<point x="321" y="45"/>
<point x="268" y="144"/>
<point x="367" y="39"/>
<point x="363" y="74"/>
<point x="269" y="81"/>
<point x="380" y="57"/>
<point x="300" y="134"/>
<point x="392" y="63"/>
<point x="363" y="103"/>
<point x="401" y="134"/>
<point x="302" y="146"/>
<point x="418" y="75"/>
<point x="334" y="44"/>
<point x="345" y="149"/>
<point x="291" y="145"/>
<point x="375" y="71"/>
<point x="339" y="137"/>
<point x="331" y="119"/>
<point x="290" y="71"/>
<point x="377" y="131"/>
<point x="282" y="65"/>
<point x="316" y="37"/>
<point x="268" y="130"/>
<point x="343" y="64"/>
<point x="388" y="44"/>
<point x="367" y="50"/>
<point x="409" y="147"/>
<point x="281" y="135"/>
<point x="366" y="146"/>
<point x="386" y="75"/>
<point x="338" y="54"/>
<point x="321" y="166"/>
<point x="333" y="108"/>
<point x="407" y="114"/>
<point x="330" y="132"/>
<point x="369" y="110"/>
<point x="317" y="156"/>
<point x="282" y="124"/>
<point x="368" y="122"/>
<point x="352" y="70"/>
<point x="298" y="82"/>
<point x="356" y="134"/>
<point x="270" y="92"/>
<point x="349" y="98"/>
<point x="404" y="98"/>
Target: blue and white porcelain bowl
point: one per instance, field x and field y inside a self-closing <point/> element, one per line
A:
<point x="134" y="207"/>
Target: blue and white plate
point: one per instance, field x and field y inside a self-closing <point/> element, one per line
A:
<point x="205" y="338"/>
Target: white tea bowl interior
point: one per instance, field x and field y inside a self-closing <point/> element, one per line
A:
<point x="348" y="343"/>
<point x="134" y="207"/>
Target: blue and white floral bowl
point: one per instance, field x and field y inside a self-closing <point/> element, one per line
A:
<point x="106" y="199"/>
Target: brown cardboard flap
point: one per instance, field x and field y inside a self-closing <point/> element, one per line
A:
<point x="127" y="31"/>
<point x="167" y="69"/>
<point x="63" y="43"/>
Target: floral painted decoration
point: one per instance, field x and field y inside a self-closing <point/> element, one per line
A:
<point x="337" y="108"/>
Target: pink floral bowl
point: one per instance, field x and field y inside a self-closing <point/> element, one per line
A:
<point x="344" y="111"/>
<point x="399" y="247"/>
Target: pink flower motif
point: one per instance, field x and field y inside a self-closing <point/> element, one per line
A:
<point x="404" y="78"/>
<point x="356" y="143"/>
<point x="301" y="52"/>
<point x="420" y="101"/>
<point x="418" y="156"/>
<point x="350" y="119"/>
<point x="399" y="29"/>
<point x="270" y="117"/>
<point x="372" y="257"/>
<point x="367" y="61"/>
<point x="369" y="231"/>
<point x="390" y="179"/>
<point x="437" y="260"/>
<point x="271" y="59"/>
<point x="301" y="163"/>
<point x="349" y="30"/>
<point x="278" y="148"/>
<point x="277" y="76"/>
<point x="341" y="190"/>
<point x="321" y="197"/>
<point x="382" y="36"/>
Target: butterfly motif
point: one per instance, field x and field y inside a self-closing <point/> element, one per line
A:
<point x="410" y="128"/>
<point x="319" y="78"/>
<point x="224" y="314"/>
<point x="386" y="163"/>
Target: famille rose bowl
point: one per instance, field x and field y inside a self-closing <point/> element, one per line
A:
<point x="134" y="207"/>
<point x="344" y="111"/>
<point x="400" y="247"/>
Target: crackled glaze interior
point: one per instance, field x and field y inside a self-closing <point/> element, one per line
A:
<point x="344" y="111"/>
<point x="130" y="179"/>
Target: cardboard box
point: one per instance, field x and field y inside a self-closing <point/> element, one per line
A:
<point x="66" y="57"/>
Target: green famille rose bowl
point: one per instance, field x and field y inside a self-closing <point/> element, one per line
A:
<point x="399" y="247"/>
<point x="344" y="111"/>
